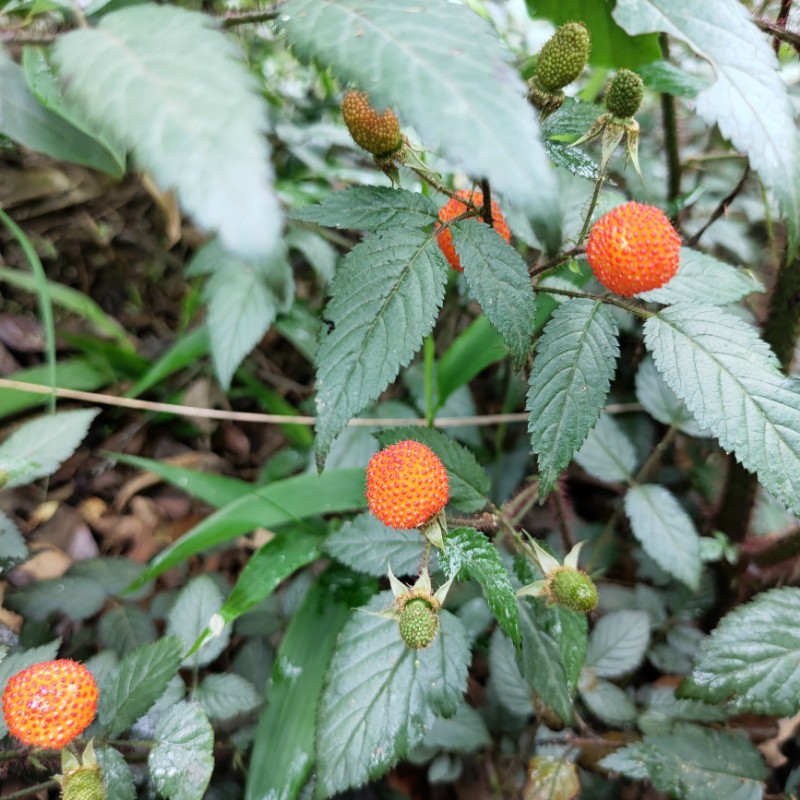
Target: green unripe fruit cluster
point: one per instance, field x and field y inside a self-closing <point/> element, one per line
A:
<point x="573" y="589"/>
<point x="84" y="783"/>
<point x="418" y="624"/>
<point x="563" y="57"/>
<point x="624" y="95"/>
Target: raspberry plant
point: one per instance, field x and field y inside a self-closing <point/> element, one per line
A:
<point x="608" y="369"/>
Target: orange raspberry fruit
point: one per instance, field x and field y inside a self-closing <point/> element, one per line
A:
<point x="407" y="485"/>
<point x="49" y="704"/>
<point x="633" y="249"/>
<point x="378" y="134"/>
<point x="454" y="208"/>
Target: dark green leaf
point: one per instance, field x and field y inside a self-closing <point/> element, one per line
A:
<point x="380" y="697"/>
<point x="750" y="661"/>
<point x="574" y="364"/>
<point x="693" y="763"/>
<point x="731" y="383"/>
<point x="225" y="696"/>
<point x="125" y="628"/>
<point x="665" y="531"/>
<point x="128" y="693"/>
<point x="13" y="550"/>
<point x="469" y="554"/>
<point x="512" y="690"/>
<point x="572" y="159"/>
<point x="498" y="277"/>
<point x="369" y="208"/>
<point x="611" y="46"/>
<point x="117" y="775"/>
<point x="605" y="700"/>
<point x="76" y="598"/>
<point x="464" y="732"/>
<point x="474" y="112"/>
<point x="367" y="545"/>
<point x="384" y="301"/>
<point x="469" y="483"/>
<point x="283" y="753"/>
<point x="573" y="119"/>
<point x="182" y="761"/>
<point x="222" y="173"/>
<point x="618" y="643"/>
<point x="271" y="564"/>
<point x="661" y="76"/>
<point x="749" y="104"/>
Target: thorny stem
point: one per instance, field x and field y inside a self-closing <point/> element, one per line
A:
<point x="486" y="209"/>
<point x="722" y="208"/>
<point x="605" y="298"/>
<point x="670" y="133"/>
<point x="780" y="33"/>
<point x="566" y="255"/>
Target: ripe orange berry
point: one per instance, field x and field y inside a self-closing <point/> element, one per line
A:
<point x="633" y="249"/>
<point x="49" y="704"/>
<point x="406" y="485"/>
<point x="378" y="134"/>
<point x="454" y="208"/>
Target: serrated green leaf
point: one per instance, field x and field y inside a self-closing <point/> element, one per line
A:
<point x="392" y="49"/>
<point x="182" y="761"/>
<point x="611" y="45"/>
<point x="608" y="453"/>
<point x="13" y="550"/>
<point x="470" y="554"/>
<point x="38" y="447"/>
<point x="750" y="660"/>
<point x="140" y="680"/>
<point x="469" y="483"/>
<point x="664" y="708"/>
<point x="731" y="383"/>
<point x="498" y="277"/>
<point x="25" y="120"/>
<point x="16" y="662"/>
<point x="512" y="690"/>
<point x="572" y="371"/>
<point x="283" y="752"/>
<point x="661" y="76"/>
<point x="116" y="73"/>
<point x="271" y="564"/>
<point x="384" y="301"/>
<point x="189" y="616"/>
<point x="117" y="775"/>
<point x="572" y="159"/>
<point x="553" y="651"/>
<point x="380" y="696"/>
<point x="658" y="400"/>
<point x="605" y="700"/>
<point x="243" y="297"/>
<point x="76" y="598"/>
<point x="748" y="100"/>
<point x="225" y="696"/>
<point x="694" y="763"/>
<point x="703" y="279"/>
<point x="369" y="208"/>
<point x="367" y="545"/>
<point x="574" y="118"/>
<point x="111" y="573"/>
<point x="125" y="628"/>
<point x="618" y="643"/>
<point x="665" y="531"/>
<point x="281" y="502"/>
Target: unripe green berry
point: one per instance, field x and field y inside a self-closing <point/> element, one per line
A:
<point x="418" y="624"/>
<point x="624" y="95"/>
<point x="84" y="783"/>
<point x="572" y="588"/>
<point x="563" y="56"/>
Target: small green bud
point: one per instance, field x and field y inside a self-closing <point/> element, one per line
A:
<point x="572" y="588"/>
<point x="624" y="95"/>
<point x="418" y="623"/>
<point x="84" y="783"/>
<point x="563" y="57"/>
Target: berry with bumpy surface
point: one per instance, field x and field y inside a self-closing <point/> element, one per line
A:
<point x="455" y="208"/>
<point x="407" y="485"/>
<point x="378" y="134"/>
<point x="624" y="95"/>
<point x="84" y="783"/>
<point x="633" y="249"/>
<point x="563" y="56"/>
<point x="49" y="704"/>
<point x="418" y="624"/>
<point x="572" y="588"/>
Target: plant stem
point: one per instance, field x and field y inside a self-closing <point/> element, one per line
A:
<point x="566" y="255"/>
<point x="722" y="208"/>
<point x="670" y="133"/>
<point x="430" y="359"/>
<point x="30" y="791"/>
<point x="592" y="203"/>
